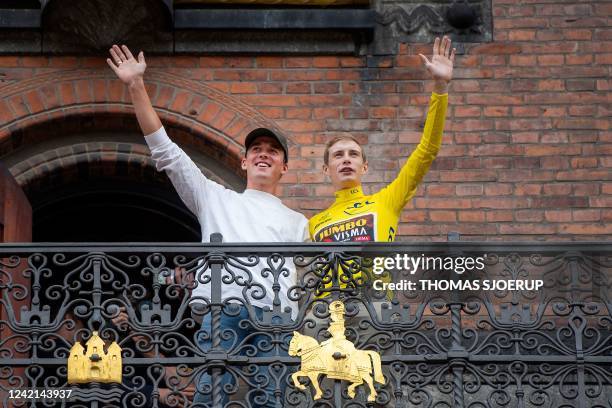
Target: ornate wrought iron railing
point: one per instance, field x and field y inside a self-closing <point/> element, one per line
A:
<point x="448" y="348"/>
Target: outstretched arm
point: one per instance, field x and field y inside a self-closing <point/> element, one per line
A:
<point x="131" y="72"/>
<point x="404" y="186"/>
<point x="191" y="185"/>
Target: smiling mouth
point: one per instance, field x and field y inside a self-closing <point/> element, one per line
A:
<point x="346" y="171"/>
<point x="262" y="165"/>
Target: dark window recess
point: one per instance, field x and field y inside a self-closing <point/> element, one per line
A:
<point x="112" y="211"/>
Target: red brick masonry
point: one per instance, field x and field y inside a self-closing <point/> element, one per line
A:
<point x="527" y="153"/>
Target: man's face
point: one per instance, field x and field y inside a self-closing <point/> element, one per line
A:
<point x="264" y="162"/>
<point x="345" y="164"/>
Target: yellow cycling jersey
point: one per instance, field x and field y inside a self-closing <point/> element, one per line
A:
<point x="356" y="217"/>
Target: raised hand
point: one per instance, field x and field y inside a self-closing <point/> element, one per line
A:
<point x="125" y="66"/>
<point x="441" y="65"/>
<point x="131" y="71"/>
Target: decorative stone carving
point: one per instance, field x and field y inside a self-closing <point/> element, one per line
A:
<point x="91" y="26"/>
<point x="421" y="21"/>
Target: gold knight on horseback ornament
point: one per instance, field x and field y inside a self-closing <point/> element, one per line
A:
<point x="336" y="358"/>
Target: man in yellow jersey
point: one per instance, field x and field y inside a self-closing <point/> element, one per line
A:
<point x="356" y="217"/>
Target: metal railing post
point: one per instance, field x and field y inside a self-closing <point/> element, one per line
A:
<point x="216" y="311"/>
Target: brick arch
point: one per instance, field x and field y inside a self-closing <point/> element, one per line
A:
<point x="103" y="144"/>
<point x="195" y="109"/>
<point x="66" y="164"/>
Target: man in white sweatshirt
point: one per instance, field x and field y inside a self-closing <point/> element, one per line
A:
<point x="256" y="215"/>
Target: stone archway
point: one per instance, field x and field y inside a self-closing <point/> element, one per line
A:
<point x="68" y="141"/>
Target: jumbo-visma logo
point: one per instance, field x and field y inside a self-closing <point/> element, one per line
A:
<point x="357" y="229"/>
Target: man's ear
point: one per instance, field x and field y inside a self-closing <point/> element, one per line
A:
<point x="365" y="167"/>
<point x="284" y="169"/>
<point x="326" y="169"/>
<point x="243" y="163"/>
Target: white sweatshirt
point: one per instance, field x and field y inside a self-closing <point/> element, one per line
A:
<point x="251" y="216"/>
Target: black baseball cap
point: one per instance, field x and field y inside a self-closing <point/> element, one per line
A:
<point x="254" y="134"/>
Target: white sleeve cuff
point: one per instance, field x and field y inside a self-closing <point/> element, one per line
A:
<point x="157" y="138"/>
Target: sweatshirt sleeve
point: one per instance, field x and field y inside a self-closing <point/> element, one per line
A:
<point x="397" y="194"/>
<point x="190" y="184"/>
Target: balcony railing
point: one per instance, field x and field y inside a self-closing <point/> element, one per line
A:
<point x="550" y="347"/>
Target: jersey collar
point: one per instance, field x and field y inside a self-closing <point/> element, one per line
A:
<point x="349" y="194"/>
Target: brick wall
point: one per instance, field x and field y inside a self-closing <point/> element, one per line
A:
<point x="527" y="148"/>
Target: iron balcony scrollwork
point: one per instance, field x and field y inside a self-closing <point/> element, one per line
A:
<point x="479" y="349"/>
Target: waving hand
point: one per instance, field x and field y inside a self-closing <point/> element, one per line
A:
<point x="125" y="66"/>
<point x="441" y="64"/>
